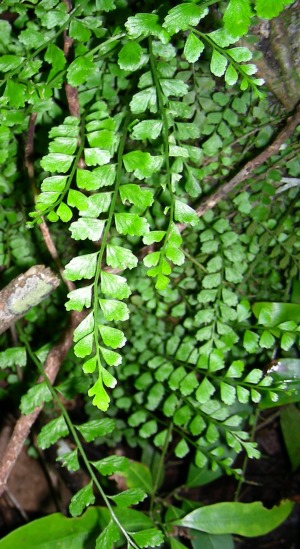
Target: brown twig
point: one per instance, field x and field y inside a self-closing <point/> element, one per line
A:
<point x="24" y="292"/>
<point x="222" y="193"/>
<point x="24" y="423"/>
<point x="71" y="92"/>
<point x="29" y="149"/>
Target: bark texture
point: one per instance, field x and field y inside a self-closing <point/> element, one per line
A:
<point x="24" y="292"/>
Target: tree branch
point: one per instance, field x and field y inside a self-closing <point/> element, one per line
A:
<point x="24" y="423"/>
<point x="211" y="201"/>
<point x="24" y="292"/>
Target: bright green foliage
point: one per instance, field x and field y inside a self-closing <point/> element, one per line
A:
<point x="164" y="107"/>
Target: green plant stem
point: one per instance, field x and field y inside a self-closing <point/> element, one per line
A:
<point x="193" y="260"/>
<point x="246" y="459"/>
<point x="73" y="432"/>
<point x="108" y="226"/>
<point x="160" y="467"/>
<point x="162" y="110"/>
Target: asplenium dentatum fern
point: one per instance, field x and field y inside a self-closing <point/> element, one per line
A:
<point x="127" y="170"/>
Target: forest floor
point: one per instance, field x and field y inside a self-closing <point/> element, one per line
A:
<point x="39" y="486"/>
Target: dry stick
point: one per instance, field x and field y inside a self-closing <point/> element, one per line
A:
<point x="24" y="292"/>
<point x="42" y="226"/>
<point x="24" y="423"/>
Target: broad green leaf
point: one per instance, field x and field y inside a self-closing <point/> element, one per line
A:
<point x="211" y="541"/>
<point x="85" y="327"/>
<point x="143" y="100"/>
<point x="231" y="75"/>
<point x="55" y="183"/>
<point x="290" y="426"/>
<point x="147" y="129"/>
<point x="89" y="365"/>
<point x="87" y="228"/>
<point x="79" y="31"/>
<point x="96" y="156"/>
<point x="205" y="390"/>
<point x="237" y="17"/>
<point x="140" y="197"/>
<point x="78" y="299"/>
<point x="111" y="357"/>
<point x="111" y="464"/>
<point x="153" y="236"/>
<point x="96" y="428"/>
<point x="35" y="396"/>
<point x="80" y="70"/>
<point x="114" y="285"/>
<point x="77" y="199"/>
<point x="114" y="310"/>
<point x="212" y="145"/>
<point x="267" y="340"/>
<point x="108" y="537"/>
<point x="184" y="16"/>
<point x="138" y="475"/>
<point x="105" y="5"/>
<point x="142" y="164"/>
<point x="267" y="9"/>
<point x="16" y="94"/>
<point x="148" y="538"/>
<point x="83" y="266"/>
<point x="201" y="477"/>
<point x="46" y="200"/>
<point x="101" y="398"/>
<point x="82" y="499"/>
<point x="103" y="139"/>
<point x="185" y="214"/>
<point x="254" y="376"/>
<point x="104" y="176"/>
<point x="64" y="212"/>
<point x="244" y="519"/>
<point x="131" y="223"/>
<point x="132" y="496"/>
<point x="64" y="533"/>
<point x="152" y="259"/>
<point x="70" y="460"/>
<point x="131" y="56"/>
<point x="240" y="54"/>
<point x="97" y="204"/>
<point x="112" y="337"/>
<point x="193" y="48"/>
<point x="181" y="449"/>
<point x="236" y="369"/>
<point x="228" y="394"/>
<point x="84" y="347"/>
<point x="52" y="432"/>
<point x="218" y="63"/>
<point x="87" y="180"/>
<point x="175" y="255"/>
<point x="10" y="62"/>
<point x="57" y="162"/>
<point x="173" y="87"/>
<point x="120" y="258"/>
<point x="14" y="356"/>
<point x="143" y="24"/>
<point x="250" y="341"/>
<point x="272" y="314"/>
<point x="55" y="57"/>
